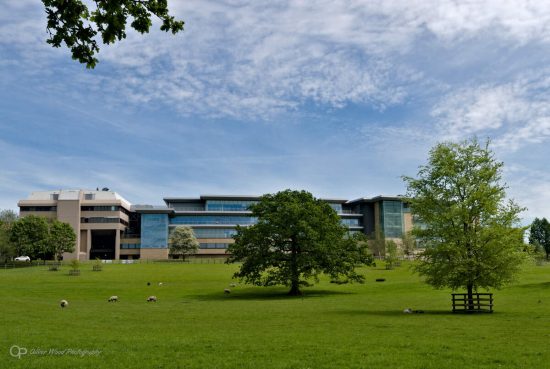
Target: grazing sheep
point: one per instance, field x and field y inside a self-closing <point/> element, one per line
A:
<point x="113" y="299"/>
<point x="227" y="290"/>
<point x="160" y="284"/>
<point x="408" y="311"/>
<point x="152" y="299"/>
<point x="63" y="303"/>
<point x="233" y="285"/>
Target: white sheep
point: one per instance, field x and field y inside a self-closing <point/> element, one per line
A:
<point x="63" y="303"/>
<point x="160" y="284"/>
<point x="152" y="299"/>
<point x="227" y="290"/>
<point x="113" y="299"/>
<point x="408" y="311"/>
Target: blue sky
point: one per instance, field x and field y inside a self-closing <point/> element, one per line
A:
<point x="337" y="97"/>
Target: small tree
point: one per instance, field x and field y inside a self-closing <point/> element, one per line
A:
<point x="539" y="235"/>
<point x="377" y="243"/>
<point x="472" y="236"/>
<point x="30" y="235"/>
<point x="296" y="238"/>
<point x="183" y="242"/>
<point x="61" y="239"/>
<point x="408" y="243"/>
<point x="391" y="254"/>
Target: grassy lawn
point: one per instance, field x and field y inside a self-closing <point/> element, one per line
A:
<point x="195" y="325"/>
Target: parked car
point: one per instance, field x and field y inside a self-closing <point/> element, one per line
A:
<point x="22" y="258"/>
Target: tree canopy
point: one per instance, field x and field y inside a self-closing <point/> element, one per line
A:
<point x="71" y="22"/>
<point x="30" y="235"/>
<point x="61" y="238"/>
<point x="539" y="235"/>
<point x="296" y="238"/>
<point x="7" y="249"/>
<point x="183" y="242"/>
<point x="471" y="233"/>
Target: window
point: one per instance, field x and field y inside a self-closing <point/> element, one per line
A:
<point x="130" y="246"/>
<point x="228" y="205"/>
<point x="89" y="196"/>
<point x="213" y="245"/>
<point x="214" y="232"/>
<point x="38" y="208"/>
<point x="213" y="219"/>
<point x="337" y="207"/>
<point x="54" y="196"/>
<point x="350" y="222"/>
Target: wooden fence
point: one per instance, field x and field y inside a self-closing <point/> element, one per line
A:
<point x="480" y="303"/>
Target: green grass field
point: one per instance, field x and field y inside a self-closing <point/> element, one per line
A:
<point x="195" y="325"/>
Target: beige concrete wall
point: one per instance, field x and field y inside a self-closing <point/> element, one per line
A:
<point x="211" y="252"/>
<point x="215" y="240"/>
<point x="154" y="254"/>
<point x="130" y="252"/>
<point x="130" y="240"/>
<point x="68" y="211"/>
<point x="408" y="222"/>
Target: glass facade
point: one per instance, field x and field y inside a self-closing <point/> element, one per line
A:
<point x="186" y="206"/>
<point x="154" y="231"/>
<point x="336" y="207"/>
<point x="391" y="218"/>
<point x="214" y="232"/>
<point x="213" y="219"/>
<point x="228" y="205"/>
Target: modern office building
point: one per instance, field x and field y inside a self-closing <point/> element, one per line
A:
<point x="107" y="226"/>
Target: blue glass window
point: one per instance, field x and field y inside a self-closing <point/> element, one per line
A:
<point x="228" y="205"/>
<point x="391" y="218"/>
<point x="214" y="245"/>
<point x="350" y="222"/>
<point x="336" y="207"/>
<point x="214" y="232"/>
<point x="213" y="219"/>
<point x="154" y="231"/>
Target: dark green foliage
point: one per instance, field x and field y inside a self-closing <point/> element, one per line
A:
<point x="61" y="239"/>
<point x="296" y="238"/>
<point x="472" y="236"/>
<point x="539" y="235"/>
<point x="72" y="23"/>
<point x="30" y="236"/>
<point x="7" y="249"/>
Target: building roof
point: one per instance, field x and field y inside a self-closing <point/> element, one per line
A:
<point x="78" y="194"/>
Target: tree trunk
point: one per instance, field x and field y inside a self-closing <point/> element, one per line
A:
<point x="294" y="274"/>
<point x="470" y="297"/>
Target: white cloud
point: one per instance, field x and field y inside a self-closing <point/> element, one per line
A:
<point x="513" y="114"/>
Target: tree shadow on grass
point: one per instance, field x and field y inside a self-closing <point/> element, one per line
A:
<point x="534" y="285"/>
<point x="262" y="294"/>
<point x="395" y="313"/>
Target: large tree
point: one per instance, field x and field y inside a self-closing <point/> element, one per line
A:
<point x="30" y="236"/>
<point x="539" y="235"/>
<point x="296" y="238"/>
<point x="471" y="233"/>
<point x="61" y="238"/>
<point x="73" y="23"/>
<point x="183" y="242"/>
